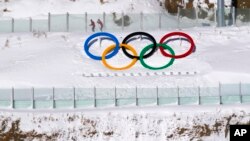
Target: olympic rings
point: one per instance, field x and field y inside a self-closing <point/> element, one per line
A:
<point x="180" y="34"/>
<point x="150" y="37"/>
<point x="112" y="50"/>
<point x="123" y="46"/>
<point x="156" y="68"/>
<point x="86" y="45"/>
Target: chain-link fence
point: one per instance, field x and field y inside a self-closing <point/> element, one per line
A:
<point x="50" y="98"/>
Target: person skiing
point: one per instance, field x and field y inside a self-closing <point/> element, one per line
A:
<point x="100" y="24"/>
<point x="92" y="24"/>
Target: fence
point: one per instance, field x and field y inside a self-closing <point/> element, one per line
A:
<point x="50" y="98"/>
<point x="124" y="22"/>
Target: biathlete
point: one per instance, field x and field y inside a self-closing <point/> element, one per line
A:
<point x="92" y="24"/>
<point x="100" y="24"/>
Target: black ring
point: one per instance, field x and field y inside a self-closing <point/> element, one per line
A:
<point x="150" y="37"/>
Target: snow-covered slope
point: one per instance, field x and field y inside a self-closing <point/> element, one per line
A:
<point x="31" y="8"/>
<point x="207" y="123"/>
<point x="59" y="60"/>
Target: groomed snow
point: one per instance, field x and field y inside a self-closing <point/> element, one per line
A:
<point x="58" y="60"/>
<point x="222" y="55"/>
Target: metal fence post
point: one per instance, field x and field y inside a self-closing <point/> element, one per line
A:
<point x="115" y="98"/>
<point x="160" y="20"/>
<point x="86" y="22"/>
<point x="237" y="13"/>
<point x="141" y="21"/>
<point x="67" y="22"/>
<point x="31" y="24"/>
<point x="215" y="17"/>
<point x="178" y="95"/>
<point x="178" y="17"/>
<point x="104" y="20"/>
<point x="233" y="16"/>
<point x="74" y="97"/>
<point x="199" y="93"/>
<point x="49" y="20"/>
<point x="12" y="25"/>
<point x="12" y="98"/>
<point x="94" y="96"/>
<point x="196" y="16"/>
<point x="157" y="96"/>
<point x="220" y="93"/>
<point x="53" y="98"/>
<point x="221" y="12"/>
<point x="136" y="97"/>
<point x="122" y="21"/>
<point x="240" y="92"/>
<point x="32" y="98"/>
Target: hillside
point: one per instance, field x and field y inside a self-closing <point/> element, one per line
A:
<point x="41" y="59"/>
<point x="24" y="8"/>
<point x="206" y="123"/>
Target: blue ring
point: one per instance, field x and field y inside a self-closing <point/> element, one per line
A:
<point x="115" y="51"/>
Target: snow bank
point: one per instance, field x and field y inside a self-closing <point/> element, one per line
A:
<point x="147" y="124"/>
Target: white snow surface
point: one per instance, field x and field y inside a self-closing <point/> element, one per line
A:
<point x="58" y="60"/>
<point x="180" y="123"/>
<point x="28" y="8"/>
<point x="222" y="55"/>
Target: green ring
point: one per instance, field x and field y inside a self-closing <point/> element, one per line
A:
<point x="156" y="68"/>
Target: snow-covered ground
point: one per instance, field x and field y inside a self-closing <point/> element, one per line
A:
<point x="27" y="8"/>
<point x="222" y="55"/>
<point x="208" y="123"/>
<point x="58" y="59"/>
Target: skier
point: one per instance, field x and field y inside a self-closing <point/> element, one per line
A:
<point x="92" y="24"/>
<point x="100" y="24"/>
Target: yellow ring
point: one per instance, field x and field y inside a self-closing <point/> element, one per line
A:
<point x="110" y="48"/>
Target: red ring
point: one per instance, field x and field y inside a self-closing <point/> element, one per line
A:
<point x="177" y="56"/>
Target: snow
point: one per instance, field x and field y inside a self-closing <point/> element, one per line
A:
<point x="59" y="60"/>
<point x="25" y="8"/>
<point x="133" y="123"/>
